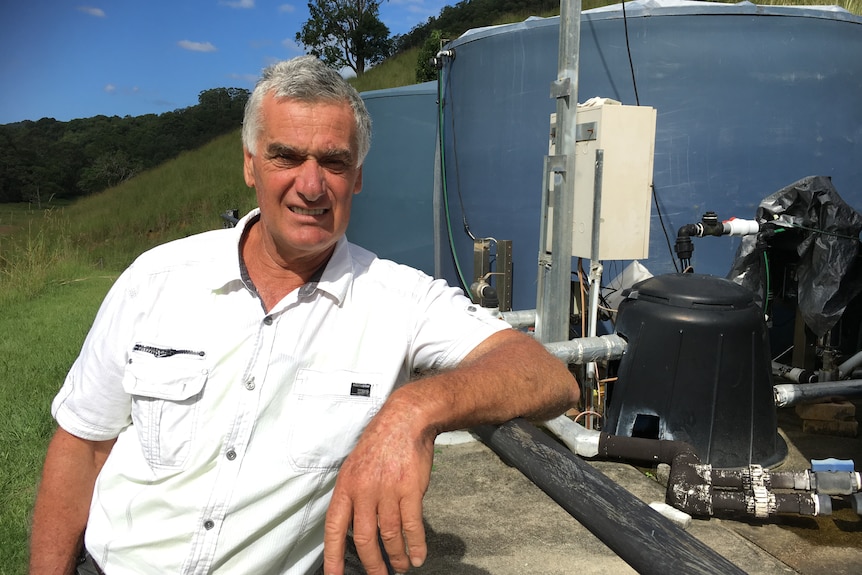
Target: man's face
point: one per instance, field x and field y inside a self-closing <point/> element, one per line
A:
<point x="305" y="175"/>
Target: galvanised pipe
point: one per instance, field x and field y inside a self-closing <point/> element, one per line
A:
<point x="586" y="349"/>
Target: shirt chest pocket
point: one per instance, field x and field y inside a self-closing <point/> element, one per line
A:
<point x="166" y="393"/>
<point x="328" y="412"/>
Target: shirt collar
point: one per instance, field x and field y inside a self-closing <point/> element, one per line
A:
<point x="228" y="267"/>
<point x="334" y="279"/>
<point x="337" y="274"/>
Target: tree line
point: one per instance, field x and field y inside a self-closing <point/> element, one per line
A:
<point x="350" y="34"/>
<point x="455" y="20"/>
<point x="47" y="159"/>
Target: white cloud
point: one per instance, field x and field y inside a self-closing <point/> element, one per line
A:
<point x="289" y="8"/>
<point x="97" y="12"/>
<point x="238" y="3"/>
<point x="196" y="46"/>
<point x="122" y="90"/>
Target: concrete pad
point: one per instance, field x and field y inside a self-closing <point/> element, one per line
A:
<point x="484" y="517"/>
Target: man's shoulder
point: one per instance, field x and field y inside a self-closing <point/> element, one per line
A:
<point x="192" y="251"/>
<point x="367" y="262"/>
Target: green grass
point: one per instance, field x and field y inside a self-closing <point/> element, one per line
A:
<point x="40" y="340"/>
<point x="56" y="265"/>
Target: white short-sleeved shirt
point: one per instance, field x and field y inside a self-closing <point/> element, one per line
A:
<point x="231" y="423"/>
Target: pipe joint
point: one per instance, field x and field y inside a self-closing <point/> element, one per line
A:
<point x="836" y="482"/>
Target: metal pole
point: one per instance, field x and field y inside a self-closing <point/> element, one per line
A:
<point x="555" y="253"/>
<point x="591" y="384"/>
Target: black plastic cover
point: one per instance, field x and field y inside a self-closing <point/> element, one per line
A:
<point x="828" y="272"/>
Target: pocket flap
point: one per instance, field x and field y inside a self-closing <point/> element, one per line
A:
<point x="173" y="379"/>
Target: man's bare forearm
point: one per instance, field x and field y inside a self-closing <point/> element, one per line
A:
<point x="381" y="485"/>
<point x="509" y="375"/>
<point x="63" y="502"/>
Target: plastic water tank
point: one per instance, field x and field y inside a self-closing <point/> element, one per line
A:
<point x="697" y="369"/>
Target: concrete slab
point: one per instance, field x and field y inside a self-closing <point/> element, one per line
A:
<point x="484" y="517"/>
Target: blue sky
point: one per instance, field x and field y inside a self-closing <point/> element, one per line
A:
<point x="67" y="59"/>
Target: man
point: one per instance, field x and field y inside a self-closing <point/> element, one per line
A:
<point x="229" y="376"/>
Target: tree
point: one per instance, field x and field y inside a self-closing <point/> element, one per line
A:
<point x="425" y="69"/>
<point x="346" y="33"/>
<point x="108" y="170"/>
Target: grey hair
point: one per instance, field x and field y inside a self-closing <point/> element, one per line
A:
<point x="306" y="79"/>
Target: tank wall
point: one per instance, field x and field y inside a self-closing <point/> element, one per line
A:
<point x="393" y="215"/>
<point x="746" y="105"/>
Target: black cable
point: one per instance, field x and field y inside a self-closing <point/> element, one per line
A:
<point x="663" y="228"/>
<point x="629" y="51"/>
<point x="457" y="165"/>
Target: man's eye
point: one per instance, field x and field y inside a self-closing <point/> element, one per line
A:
<point x="336" y="166"/>
<point x="288" y="160"/>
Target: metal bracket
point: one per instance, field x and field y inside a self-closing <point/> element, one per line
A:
<point x="561" y="88"/>
<point x="586" y="132"/>
<point x="556" y="164"/>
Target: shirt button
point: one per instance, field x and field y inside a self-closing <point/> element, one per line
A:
<point x="268" y="320"/>
<point x="249" y="385"/>
<point x="231" y="455"/>
<point x="209" y="524"/>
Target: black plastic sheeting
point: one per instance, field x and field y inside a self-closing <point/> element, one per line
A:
<point x="827" y="229"/>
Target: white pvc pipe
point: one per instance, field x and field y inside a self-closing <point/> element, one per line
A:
<point x="582" y="441"/>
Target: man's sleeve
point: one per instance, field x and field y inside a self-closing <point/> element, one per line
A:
<point x="448" y="327"/>
<point x="92" y="404"/>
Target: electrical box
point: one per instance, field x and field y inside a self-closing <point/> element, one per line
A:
<point x="626" y="134"/>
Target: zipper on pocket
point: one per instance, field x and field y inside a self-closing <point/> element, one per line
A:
<point x="166" y="352"/>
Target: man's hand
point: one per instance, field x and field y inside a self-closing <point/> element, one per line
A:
<point x="380" y="487"/>
<point x="381" y="484"/>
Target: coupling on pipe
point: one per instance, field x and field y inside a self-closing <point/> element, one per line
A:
<point x="794" y="374"/>
<point x="787" y="394"/>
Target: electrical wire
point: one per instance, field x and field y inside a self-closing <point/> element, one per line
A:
<point x="664" y="228"/>
<point x="458" y="173"/>
<point x="767" y="286"/>
<point x="817" y="231"/>
<point x="777" y="357"/>
<point x="629" y="51"/>
<point x="587" y="412"/>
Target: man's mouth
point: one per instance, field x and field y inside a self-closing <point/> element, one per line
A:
<point x="308" y="212"/>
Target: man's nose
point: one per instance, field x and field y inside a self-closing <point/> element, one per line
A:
<point x="310" y="181"/>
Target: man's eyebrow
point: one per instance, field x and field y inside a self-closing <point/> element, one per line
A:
<point x="276" y="149"/>
<point x="338" y="154"/>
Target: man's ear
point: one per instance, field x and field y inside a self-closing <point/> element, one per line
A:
<point x="248" y="167"/>
<point x="357" y="187"/>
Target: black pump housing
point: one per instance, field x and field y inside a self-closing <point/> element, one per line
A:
<point x="697" y="369"/>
